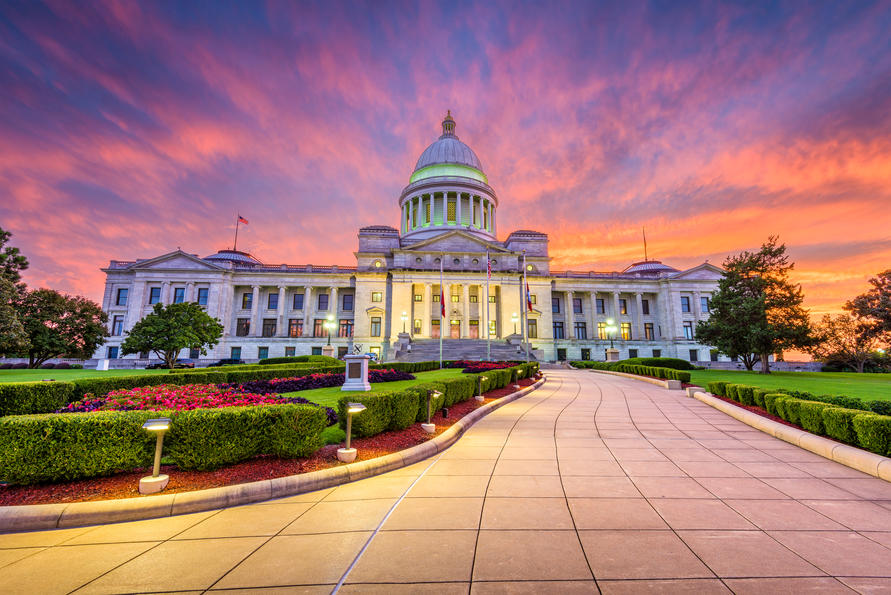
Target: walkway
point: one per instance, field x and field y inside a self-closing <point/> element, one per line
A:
<point x="591" y="482"/>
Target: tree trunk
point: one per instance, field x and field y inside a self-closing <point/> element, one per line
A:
<point x="170" y="358"/>
<point x="860" y="365"/>
<point x="765" y="364"/>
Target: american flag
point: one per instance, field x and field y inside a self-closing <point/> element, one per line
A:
<point x="528" y="298"/>
<point x="242" y="220"/>
<point x="488" y="265"/>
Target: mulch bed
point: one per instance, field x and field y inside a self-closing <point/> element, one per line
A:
<point x="125" y="484"/>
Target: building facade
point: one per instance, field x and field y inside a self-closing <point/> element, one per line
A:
<point x="389" y="302"/>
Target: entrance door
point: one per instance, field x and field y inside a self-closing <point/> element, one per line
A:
<point x="561" y="355"/>
<point x="474" y="329"/>
<point x="456" y="329"/>
<point x="434" y="331"/>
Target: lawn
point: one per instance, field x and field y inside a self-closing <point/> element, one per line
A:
<point x="7" y="376"/>
<point x="866" y="386"/>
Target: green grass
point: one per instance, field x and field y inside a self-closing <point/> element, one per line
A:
<point x="868" y="387"/>
<point x="7" y="376"/>
<point x="329" y="396"/>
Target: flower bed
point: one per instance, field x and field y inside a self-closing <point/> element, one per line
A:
<point x="312" y="381"/>
<point x="472" y="367"/>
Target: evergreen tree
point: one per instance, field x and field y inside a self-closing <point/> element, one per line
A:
<point x="873" y="308"/>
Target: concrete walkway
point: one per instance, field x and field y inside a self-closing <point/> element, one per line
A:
<point x="591" y="482"/>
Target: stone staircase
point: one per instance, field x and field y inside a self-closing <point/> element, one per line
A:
<point x="454" y="349"/>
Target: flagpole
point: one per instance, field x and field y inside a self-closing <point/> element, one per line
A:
<point x="525" y="308"/>
<point x="235" y="245"/>
<point x="441" y="308"/>
<point x="488" y="333"/>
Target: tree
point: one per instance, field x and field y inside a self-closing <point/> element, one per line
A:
<point x="11" y="261"/>
<point x="844" y="339"/>
<point x="168" y="329"/>
<point x="12" y="333"/>
<point x="873" y="308"/>
<point x="756" y="309"/>
<point x="59" y="325"/>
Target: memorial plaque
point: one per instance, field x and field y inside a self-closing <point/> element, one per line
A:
<point x="355" y="370"/>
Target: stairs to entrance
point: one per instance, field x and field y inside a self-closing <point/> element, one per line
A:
<point x="423" y="350"/>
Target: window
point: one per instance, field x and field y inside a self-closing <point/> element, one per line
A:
<point x="601" y="306"/>
<point x="377" y="296"/>
<point x="235" y="353"/>
<point x="474" y="299"/>
<point x="316" y="351"/>
<point x="323" y="301"/>
<point x="272" y="301"/>
<point x="348" y="302"/>
<point x="713" y="355"/>
<point x="242" y="327"/>
<point x="645" y="307"/>
<point x="117" y="326"/>
<point x="626" y="331"/>
<point x="694" y="355"/>
<point x="601" y="331"/>
<point x="532" y="328"/>
<point x="416" y="327"/>
<point x="269" y="327"/>
<point x="202" y="296"/>
<point x="705" y="304"/>
<point x="121" y="300"/>
<point x="491" y="299"/>
<point x="346" y="328"/>
<point x="318" y="328"/>
<point x="414" y="215"/>
<point x="577" y="305"/>
<point x="434" y="329"/>
<point x="427" y="212"/>
<point x="376" y="351"/>
<point x="341" y="351"/>
<point x="533" y="298"/>
<point x="194" y="353"/>
<point x="558" y="330"/>
<point x="247" y="300"/>
<point x="375" y="326"/>
<point x="179" y="295"/>
<point x="657" y="353"/>
<point x="451" y="211"/>
<point x="298" y="301"/>
<point x="419" y="297"/>
<point x="290" y="351"/>
<point x="436" y="298"/>
<point x="154" y="295"/>
<point x="555" y="305"/>
<point x="295" y="327"/>
<point x="623" y="306"/>
<point x="688" y="330"/>
<point x="685" y="303"/>
<point x="648" y="331"/>
<point x="456" y="298"/>
<point x="581" y="332"/>
<point x="586" y="354"/>
<point x="632" y="353"/>
<point x="492" y="329"/>
<point x="111" y="353"/>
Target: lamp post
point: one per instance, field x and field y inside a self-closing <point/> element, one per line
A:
<point x="479" y="388"/>
<point x="156" y="482"/>
<point x="431" y="394"/>
<point x="611" y="330"/>
<point x="347" y="454"/>
<point x="514" y="318"/>
<point x="330" y="326"/>
<point x="404" y="320"/>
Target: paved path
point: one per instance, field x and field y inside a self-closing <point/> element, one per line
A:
<point x="592" y="481"/>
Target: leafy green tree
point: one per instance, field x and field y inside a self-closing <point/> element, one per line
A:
<point x="844" y="339"/>
<point x="169" y="329"/>
<point x="873" y="308"/>
<point x="59" y="325"/>
<point x="11" y="260"/>
<point x="756" y="309"/>
<point x="12" y="333"/>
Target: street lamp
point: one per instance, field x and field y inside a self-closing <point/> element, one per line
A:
<point x="611" y="330"/>
<point x="329" y="326"/>
<point x="514" y="318"/>
<point x="431" y="395"/>
<point x="479" y="388"/>
<point x="157" y="482"/>
<point x="347" y="454"/>
<point x="404" y="320"/>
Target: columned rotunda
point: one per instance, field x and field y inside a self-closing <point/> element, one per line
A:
<point x="388" y="302"/>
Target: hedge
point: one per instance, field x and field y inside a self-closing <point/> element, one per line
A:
<point x="641" y="370"/>
<point x="57" y="447"/>
<point x="811" y="414"/>
<point x="839" y="423"/>
<point x="731" y="392"/>
<point x="791" y="410"/>
<point x="874" y="432"/>
<point x="659" y="362"/>
<point x="718" y="387"/>
<point x="770" y="402"/>
<point x="324" y="360"/>
<point x="758" y="396"/>
<point x="34" y="397"/>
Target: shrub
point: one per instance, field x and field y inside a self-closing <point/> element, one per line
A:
<point x="770" y="402"/>
<point x="47" y="366"/>
<point x="659" y="362"/>
<point x="316" y="359"/>
<point x="758" y="396"/>
<point x="791" y="410"/>
<point x="717" y="387"/>
<point x="839" y="423"/>
<point x="375" y="419"/>
<point x="745" y="394"/>
<point x="880" y="407"/>
<point x="24" y="398"/>
<point x="412" y="367"/>
<point x="62" y="366"/>
<point x="5" y="366"/>
<point x="811" y="415"/>
<point x="77" y="366"/>
<point x="731" y="391"/>
<point x="874" y="432"/>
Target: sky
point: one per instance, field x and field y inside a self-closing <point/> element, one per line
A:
<point x="131" y="129"/>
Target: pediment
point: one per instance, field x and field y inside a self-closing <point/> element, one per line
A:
<point x="455" y="241"/>
<point x="178" y="260"/>
<point x="704" y="271"/>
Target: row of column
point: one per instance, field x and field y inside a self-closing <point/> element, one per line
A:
<point x="427" y="315"/>
<point x="309" y="310"/>
<point x="413" y="211"/>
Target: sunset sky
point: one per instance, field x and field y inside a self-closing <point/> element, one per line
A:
<point x="130" y="129"/>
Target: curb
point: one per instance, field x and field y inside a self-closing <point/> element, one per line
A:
<point x="39" y="517"/>
<point x="667" y="384"/>
<point x="855" y="458"/>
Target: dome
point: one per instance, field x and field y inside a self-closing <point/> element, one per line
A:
<point x="650" y="267"/>
<point x="448" y="150"/>
<point x="236" y="256"/>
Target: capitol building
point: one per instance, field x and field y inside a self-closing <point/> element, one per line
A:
<point x="388" y="301"/>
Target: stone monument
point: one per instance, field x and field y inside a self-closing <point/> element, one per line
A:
<point x="356" y="377"/>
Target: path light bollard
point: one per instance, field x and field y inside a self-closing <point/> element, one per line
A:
<point x="479" y="388"/>
<point x="431" y="394"/>
<point x="156" y="482"/>
<point x="347" y="454"/>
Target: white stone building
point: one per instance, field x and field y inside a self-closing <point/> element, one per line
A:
<point x="448" y="212"/>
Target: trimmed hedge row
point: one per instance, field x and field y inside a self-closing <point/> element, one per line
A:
<point x="324" y="360"/>
<point x="396" y="410"/>
<point x="664" y="373"/>
<point x="653" y="362"/>
<point x="723" y="389"/>
<point x="55" y="447"/>
<point x="824" y="416"/>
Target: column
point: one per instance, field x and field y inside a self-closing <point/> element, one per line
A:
<point x="165" y="292"/>
<point x="465" y="321"/>
<point x="639" y="328"/>
<point x="135" y="301"/>
<point x="458" y="209"/>
<point x="569" y="319"/>
<point x="697" y="306"/>
<point x="616" y="307"/>
<point x="307" y="311"/>
<point x="332" y="310"/>
<point x="282" y="308"/>
<point x="190" y="292"/>
<point x="428" y="305"/>
<point x="592" y="332"/>
<point x="255" y="312"/>
<point x="445" y="326"/>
